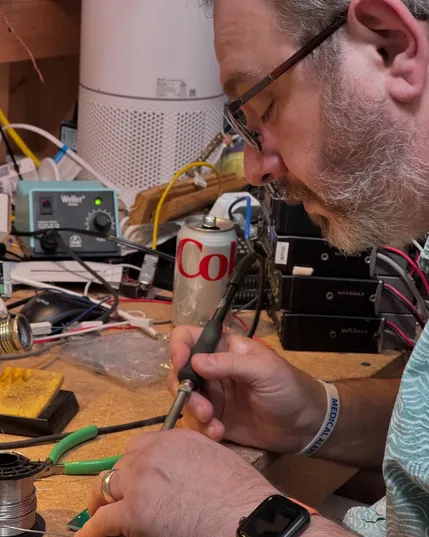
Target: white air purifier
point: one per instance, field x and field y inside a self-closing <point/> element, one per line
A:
<point x="150" y="98"/>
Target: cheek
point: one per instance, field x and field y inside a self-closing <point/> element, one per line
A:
<point x="299" y="134"/>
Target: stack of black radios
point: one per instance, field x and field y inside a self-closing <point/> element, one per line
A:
<point x="320" y="299"/>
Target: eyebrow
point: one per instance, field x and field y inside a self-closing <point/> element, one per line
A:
<point x="240" y="77"/>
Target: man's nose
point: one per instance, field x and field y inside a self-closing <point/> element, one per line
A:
<point x="263" y="167"/>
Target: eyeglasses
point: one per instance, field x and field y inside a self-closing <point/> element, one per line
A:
<point x="233" y="111"/>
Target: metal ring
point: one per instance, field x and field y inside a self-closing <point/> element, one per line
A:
<point x="105" y="486"/>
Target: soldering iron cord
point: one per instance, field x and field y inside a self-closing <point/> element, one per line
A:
<point x="51" y="439"/>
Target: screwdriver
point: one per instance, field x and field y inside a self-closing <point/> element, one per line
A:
<point x="207" y="343"/>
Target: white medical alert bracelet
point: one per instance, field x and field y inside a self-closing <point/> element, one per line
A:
<point x="328" y="426"/>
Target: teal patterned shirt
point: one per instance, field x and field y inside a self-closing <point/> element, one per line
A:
<point x="404" y="512"/>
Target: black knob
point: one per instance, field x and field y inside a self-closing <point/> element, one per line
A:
<point x="102" y="222"/>
<point x="49" y="241"/>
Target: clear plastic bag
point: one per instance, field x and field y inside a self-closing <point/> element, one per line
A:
<point x="130" y="357"/>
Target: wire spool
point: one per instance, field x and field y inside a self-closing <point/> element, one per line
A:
<point x="15" y="334"/>
<point x="18" y="500"/>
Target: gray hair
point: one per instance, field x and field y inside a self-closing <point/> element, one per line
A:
<point x="303" y="19"/>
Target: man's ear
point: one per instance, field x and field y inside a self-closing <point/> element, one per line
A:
<point x="399" y="40"/>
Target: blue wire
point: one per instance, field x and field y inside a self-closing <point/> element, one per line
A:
<point x="82" y="315"/>
<point x="82" y="299"/>
<point x="61" y="153"/>
<point x="248" y="218"/>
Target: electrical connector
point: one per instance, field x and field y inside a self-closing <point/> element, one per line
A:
<point x="67" y="168"/>
<point x="41" y="329"/>
<point x="5" y="213"/>
<point x="144" y="324"/>
<point x="140" y="322"/>
<point x="9" y="178"/>
<point x="90" y="324"/>
<point x="148" y="271"/>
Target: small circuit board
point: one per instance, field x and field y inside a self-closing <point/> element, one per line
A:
<point x="78" y="521"/>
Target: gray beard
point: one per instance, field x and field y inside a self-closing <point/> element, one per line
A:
<point x="372" y="178"/>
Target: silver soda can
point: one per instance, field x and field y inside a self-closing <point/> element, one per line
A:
<point x="205" y="260"/>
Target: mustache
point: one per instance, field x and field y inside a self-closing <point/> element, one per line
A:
<point x="293" y="191"/>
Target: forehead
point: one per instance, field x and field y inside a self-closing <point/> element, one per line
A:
<point x="246" y="39"/>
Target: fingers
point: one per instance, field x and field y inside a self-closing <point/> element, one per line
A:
<point x="215" y="430"/>
<point x="197" y="405"/>
<point x="97" y="499"/>
<point x="107" y="521"/>
<point x="183" y="339"/>
<point x="244" y="369"/>
<point x="140" y="442"/>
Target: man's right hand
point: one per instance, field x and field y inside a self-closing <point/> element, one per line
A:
<point x="252" y="396"/>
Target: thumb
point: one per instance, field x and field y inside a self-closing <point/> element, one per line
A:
<point x="244" y="369"/>
<point x="108" y="520"/>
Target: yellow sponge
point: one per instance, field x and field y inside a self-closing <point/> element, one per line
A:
<point x="27" y="392"/>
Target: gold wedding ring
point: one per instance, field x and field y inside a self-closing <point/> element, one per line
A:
<point x="105" y="486"/>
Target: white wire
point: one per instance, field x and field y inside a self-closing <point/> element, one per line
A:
<point x="3" y="307"/>
<point x="418" y="246"/>
<point x="71" y="154"/>
<point x="219" y="155"/>
<point x="82" y="332"/>
<point x="122" y="314"/>
<point x="87" y="286"/>
<point x="123" y="223"/>
<point x="37" y="532"/>
<point x="130" y="232"/>
<point x="125" y="265"/>
<point x="41" y="285"/>
<point x="138" y="313"/>
<point x="103" y="275"/>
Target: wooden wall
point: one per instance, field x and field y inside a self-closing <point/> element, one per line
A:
<point x="51" y="30"/>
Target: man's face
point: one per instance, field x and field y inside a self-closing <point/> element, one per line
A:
<point x="335" y="142"/>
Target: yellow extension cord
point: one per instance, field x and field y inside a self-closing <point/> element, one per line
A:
<point x="170" y="186"/>
<point x="18" y="140"/>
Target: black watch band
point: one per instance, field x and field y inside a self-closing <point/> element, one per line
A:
<point x="275" y="517"/>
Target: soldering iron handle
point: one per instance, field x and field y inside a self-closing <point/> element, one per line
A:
<point x="206" y="344"/>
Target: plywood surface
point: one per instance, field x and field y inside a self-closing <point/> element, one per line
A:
<point x="106" y="402"/>
<point x="49" y="28"/>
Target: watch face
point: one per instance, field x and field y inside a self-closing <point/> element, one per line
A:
<point x="276" y="517"/>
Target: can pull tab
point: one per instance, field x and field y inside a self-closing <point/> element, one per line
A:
<point x="209" y="222"/>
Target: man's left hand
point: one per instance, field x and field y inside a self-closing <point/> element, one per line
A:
<point x="176" y="483"/>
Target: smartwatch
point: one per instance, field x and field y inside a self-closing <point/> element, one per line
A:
<point x="275" y="517"/>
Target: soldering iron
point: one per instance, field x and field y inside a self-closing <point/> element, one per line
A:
<point x="208" y="341"/>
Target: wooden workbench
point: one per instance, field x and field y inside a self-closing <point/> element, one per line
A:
<point x="105" y="402"/>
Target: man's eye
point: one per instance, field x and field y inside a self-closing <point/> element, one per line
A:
<point x="266" y="115"/>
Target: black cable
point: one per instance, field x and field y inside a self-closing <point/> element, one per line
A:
<point x="10" y="152"/>
<point x="260" y="302"/>
<point x="234" y="284"/>
<point x="38" y="291"/>
<point x="233" y="205"/>
<point x="104" y="317"/>
<point x="32" y="354"/>
<point x="123" y="242"/>
<point x="13" y="254"/>
<point x="17" y="303"/>
<point x="246" y="306"/>
<point x="162" y="323"/>
<point x="165" y="298"/>
<point x="52" y="438"/>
